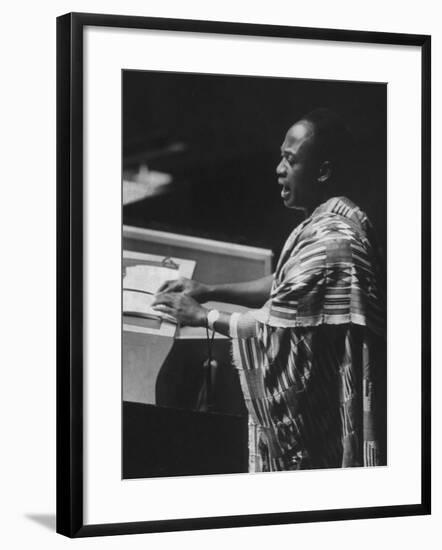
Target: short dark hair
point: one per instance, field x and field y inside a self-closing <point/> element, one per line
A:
<point x="333" y="141"/>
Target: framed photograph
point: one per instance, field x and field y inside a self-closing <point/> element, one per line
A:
<point x="243" y="274"/>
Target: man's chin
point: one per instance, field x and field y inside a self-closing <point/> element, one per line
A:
<point x="296" y="207"/>
<point x="290" y="203"/>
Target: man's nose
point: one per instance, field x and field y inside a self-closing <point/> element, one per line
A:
<point x="280" y="169"/>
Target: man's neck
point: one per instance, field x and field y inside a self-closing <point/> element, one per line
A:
<point x="314" y="205"/>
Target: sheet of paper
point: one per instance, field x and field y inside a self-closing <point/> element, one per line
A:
<point x="140" y="304"/>
<point x="148" y="278"/>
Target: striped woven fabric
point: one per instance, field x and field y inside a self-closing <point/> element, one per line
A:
<point x="314" y="377"/>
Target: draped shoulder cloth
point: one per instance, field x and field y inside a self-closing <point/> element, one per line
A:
<point x="314" y="375"/>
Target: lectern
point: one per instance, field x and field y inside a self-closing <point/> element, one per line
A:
<point x="164" y="433"/>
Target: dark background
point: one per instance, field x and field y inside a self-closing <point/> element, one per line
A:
<point x="219" y="136"/>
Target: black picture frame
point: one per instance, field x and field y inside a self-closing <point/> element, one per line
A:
<point x="70" y="272"/>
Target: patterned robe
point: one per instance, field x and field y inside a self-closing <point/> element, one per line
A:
<point x="314" y="374"/>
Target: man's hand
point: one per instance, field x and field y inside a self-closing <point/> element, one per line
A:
<point x="185" y="309"/>
<point x="198" y="291"/>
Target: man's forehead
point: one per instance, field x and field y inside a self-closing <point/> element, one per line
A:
<point x="298" y="133"/>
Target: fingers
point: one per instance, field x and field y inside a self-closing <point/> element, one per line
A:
<point x="163" y="298"/>
<point x="168" y="312"/>
<point x="173" y="285"/>
<point x="164" y="309"/>
<point x="167" y="286"/>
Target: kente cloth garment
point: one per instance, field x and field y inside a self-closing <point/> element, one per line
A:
<point x="314" y="373"/>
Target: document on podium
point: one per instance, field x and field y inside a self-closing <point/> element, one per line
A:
<point x="140" y="284"/>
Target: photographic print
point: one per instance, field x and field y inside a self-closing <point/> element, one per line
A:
<point x="254" y="254"/>
<point x="240" y="208"/>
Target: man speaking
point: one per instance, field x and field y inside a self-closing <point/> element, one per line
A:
<point x="311" y="350"/>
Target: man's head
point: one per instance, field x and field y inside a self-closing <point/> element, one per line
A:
<point x="314" y="155"/>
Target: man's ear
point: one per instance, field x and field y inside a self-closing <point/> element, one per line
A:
<point x="325" y="171"/>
